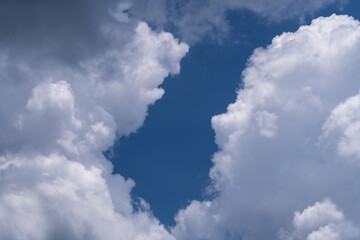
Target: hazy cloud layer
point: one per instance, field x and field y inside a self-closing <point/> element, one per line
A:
<point x="193" y="19"/>
<point x="290" y="140"/>
<point x="69" y="87"/>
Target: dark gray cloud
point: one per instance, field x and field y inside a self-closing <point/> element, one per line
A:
<point x="65" y="30"/>
<point x="70" y="30"/>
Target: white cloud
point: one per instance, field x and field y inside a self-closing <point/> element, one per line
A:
<point x="301" y="88"/>
<point x="317" y="215"/>
<point x="57" y="119"/>
<point x="321" y="221"/>
<point x="197" y="212"/>
<point x="267" y="123"/>
<point x="52" y="197"/>
<point x="324" y="233"/>
<point x="343" y="127"/>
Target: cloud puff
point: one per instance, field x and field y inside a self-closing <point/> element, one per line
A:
<point x="196" y="19"/>
<point x="342" y="128"/>
<point x="317" y="215"/>
<point x="285" y="142"/>
<point x="57" y="117"/>
<point x="321" y="221"/>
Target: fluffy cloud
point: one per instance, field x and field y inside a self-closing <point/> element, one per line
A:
<point x="342" y="128"/>
<point x="196" y="19"/>
<point x="58" y="116"/>
<point x="321" y="221"/>
<point x="286" y="140"/>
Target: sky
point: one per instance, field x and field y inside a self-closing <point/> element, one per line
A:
<point x="176" y="147"/>
<point x="154" y="119"/>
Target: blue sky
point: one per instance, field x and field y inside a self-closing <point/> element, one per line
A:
<point x="164" y="120"/>
<point x="176" y="142"/>
<point x="169" y="156"/>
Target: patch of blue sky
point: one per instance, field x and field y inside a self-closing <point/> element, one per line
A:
<point x="170" y="156"/>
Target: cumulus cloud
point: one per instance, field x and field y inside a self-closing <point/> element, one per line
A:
<point x="84" y="78"/>
<point x="321" y="221"/>
<point x="196" y="19"/>
<point x="58" y="115"/>
<point x="286" y="140"/>
<point x="342" y="128"/>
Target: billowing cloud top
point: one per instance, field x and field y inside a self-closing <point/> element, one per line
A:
<point x="290" y="140"/>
